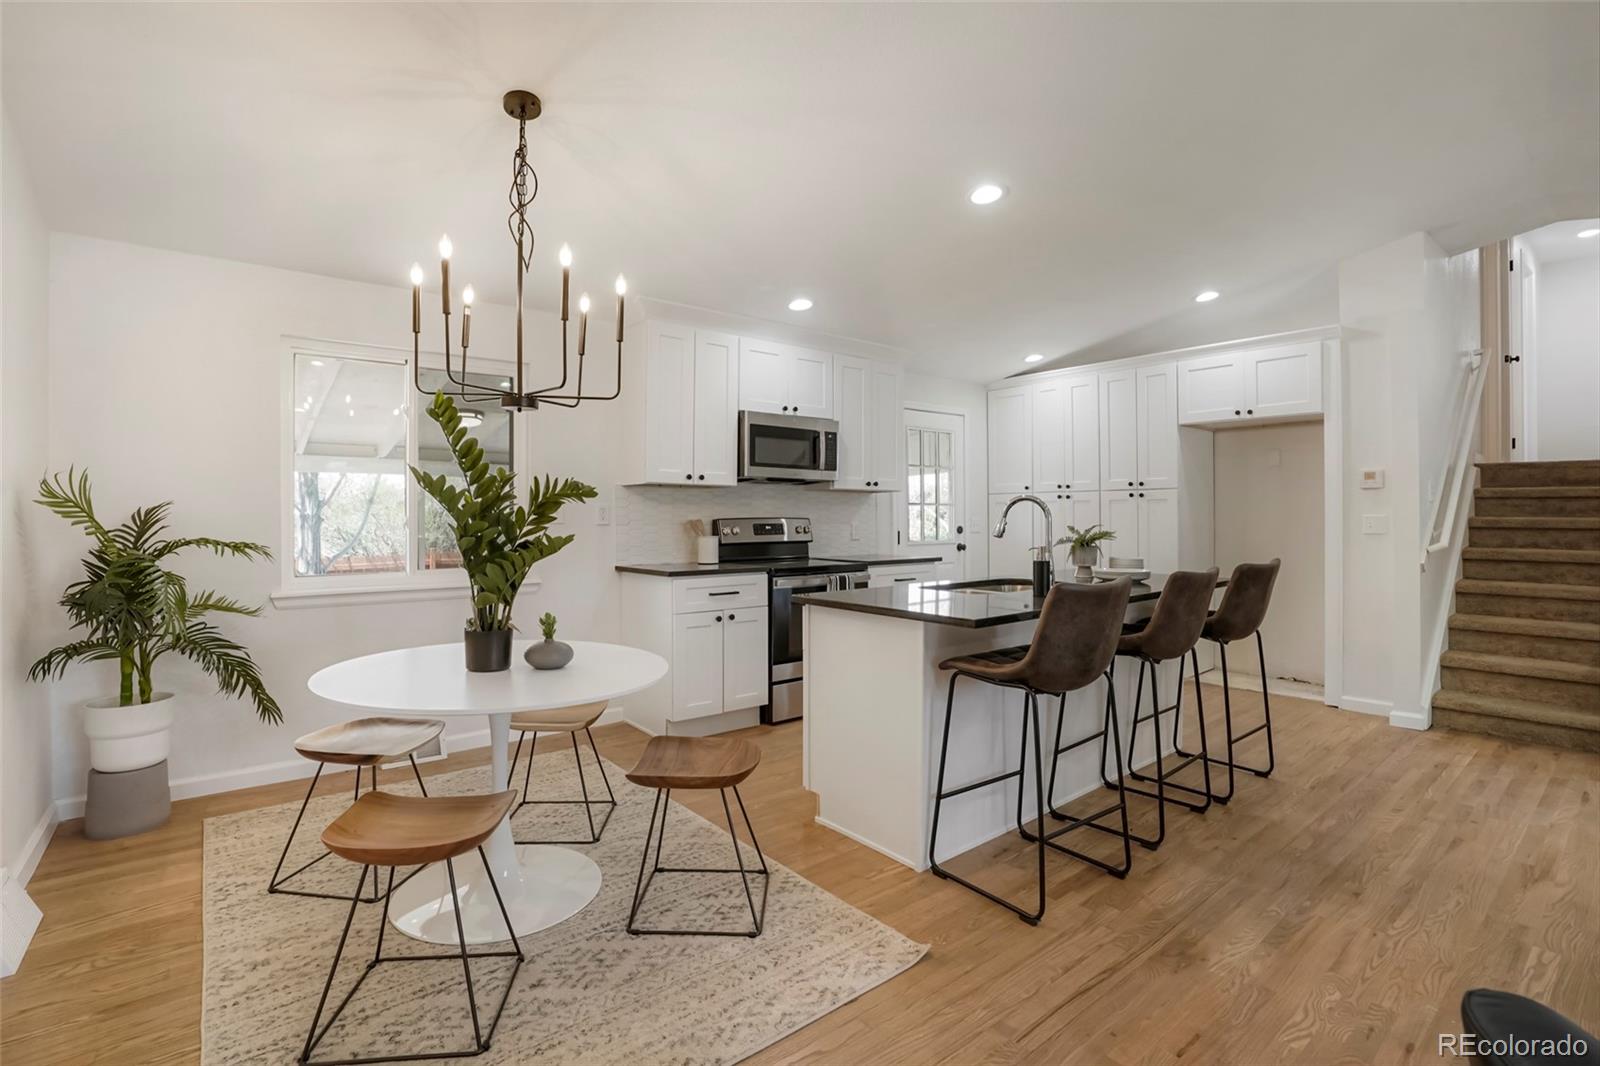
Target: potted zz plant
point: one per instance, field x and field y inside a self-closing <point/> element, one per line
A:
<point x="1085" y="548"/>
<point x="499" y="539"/>
<point x="132" y="610"/>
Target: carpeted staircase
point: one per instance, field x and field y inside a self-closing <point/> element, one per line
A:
<point x="1524" y="648"/>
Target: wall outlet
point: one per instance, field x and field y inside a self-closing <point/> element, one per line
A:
<point x="1374" y="524"/>
<point x="602" y="515"/>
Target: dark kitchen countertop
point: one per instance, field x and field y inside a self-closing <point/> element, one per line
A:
<point x="940" y="603"/>
<point x="760" y="566"/>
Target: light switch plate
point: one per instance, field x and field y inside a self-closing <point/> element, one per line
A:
<point x="1374" y="524"/>
<point x="1372" y="477"/>
<point x="602" y="515"/>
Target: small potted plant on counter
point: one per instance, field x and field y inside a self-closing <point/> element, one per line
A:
<point x="550" y="653"/>
<point x="131" y="610"/>
<point x="499" y="539"/>
<point x="1085" y="546"/>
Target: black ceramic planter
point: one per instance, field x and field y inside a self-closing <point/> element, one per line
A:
<point x="488" y="650"/>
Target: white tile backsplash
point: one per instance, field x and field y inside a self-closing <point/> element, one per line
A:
<point x="650" y="518"/>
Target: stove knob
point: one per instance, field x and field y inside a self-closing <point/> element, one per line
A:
<point x="736" y="531"/>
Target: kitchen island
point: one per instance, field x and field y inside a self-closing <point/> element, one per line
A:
<point x="875" y="702"/>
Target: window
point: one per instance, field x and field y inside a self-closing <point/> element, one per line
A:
<point x="356" y="518"/>
<point x="930" y="466"/>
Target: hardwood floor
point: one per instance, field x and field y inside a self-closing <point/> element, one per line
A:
<point x="1333" y="913"/>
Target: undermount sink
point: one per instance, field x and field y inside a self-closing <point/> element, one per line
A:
<point x="991" y="586"/>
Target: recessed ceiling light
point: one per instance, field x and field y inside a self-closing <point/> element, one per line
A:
<point x="986" y="194"/>
<point x="1207" y="296"/>
<point x="471" y="418"/>
<point x="351" y="412"/>
<point x="1587" y="233"/>
<point x="1034" y="358"/>
<point x="316" y="362"/>
<point x="347" y="397"/>
<point x="800" y="303"/>
<point x="395" y="411"/>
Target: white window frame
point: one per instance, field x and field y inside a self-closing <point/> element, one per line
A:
<point x="320" y="590"/>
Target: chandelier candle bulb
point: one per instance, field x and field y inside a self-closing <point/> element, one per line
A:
<point x="583" y="323"/>
<point x="416" y="298"/>
<point x="466" y="320"/>
<point x="444" y="271"/>
<point x="622" y="290"/>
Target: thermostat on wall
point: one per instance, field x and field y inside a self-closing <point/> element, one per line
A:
<point x="1372" y="478"/>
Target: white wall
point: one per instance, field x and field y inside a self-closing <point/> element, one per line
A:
<point x="1268" y="492"/>
<point x="1567" y="362"/>
<point x="24" y="436"/>
<point x="1409" y="313"/>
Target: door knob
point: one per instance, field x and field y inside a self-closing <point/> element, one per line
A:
<point x="960" y="547"/>
<point x="960" y="530"/>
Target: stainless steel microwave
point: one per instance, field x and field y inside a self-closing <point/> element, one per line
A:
<point x="787" y="447"/>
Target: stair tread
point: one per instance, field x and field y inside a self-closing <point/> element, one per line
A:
<point x="1541" y="464"/>
<point x="1521" y="666"/>
<point x="1523" y="521"/>
<point x="1521" y="710"/>
<point x="1532" y="589"/>
<point x="1580" y="492"/>
<point x="1533" y="555"/>
<point x="1527" y="627"/>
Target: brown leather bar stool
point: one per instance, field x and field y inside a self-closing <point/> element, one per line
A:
<point x="1172" y="632"/>
<point x="721" y="763"/>
<point x="363" y="742"/>
<point x="571" y="721"/>
<point x="1073" y="645"/>
<point x="1243" y="609"/>
<point x="384" y="829"/>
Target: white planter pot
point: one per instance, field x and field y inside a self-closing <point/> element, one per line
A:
<point x="128" y="738"/>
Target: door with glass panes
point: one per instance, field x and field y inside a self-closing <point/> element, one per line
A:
<point x="935" y="515"/>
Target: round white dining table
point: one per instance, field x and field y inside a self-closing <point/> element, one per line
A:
<point x="541" y="884"/>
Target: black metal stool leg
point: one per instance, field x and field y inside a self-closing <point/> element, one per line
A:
<point x="511" y="771"/>
<point x="588" y="811"/>
<point x="601" y="763"/>
<point x="1162" y="771"/>
<point x="272" y="882"/>
<point x="461" y="937"/>
<point x="938" y="788"/>
<point x="527" y="775"/>
<point x="1266" y="710"/>
<point x="313" y="1036"/>
<point x="596" y="829"/>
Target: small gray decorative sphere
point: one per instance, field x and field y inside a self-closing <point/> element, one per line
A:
<point x="548" y="654"/>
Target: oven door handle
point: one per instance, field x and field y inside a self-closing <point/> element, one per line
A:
<point x="802" y="585"/>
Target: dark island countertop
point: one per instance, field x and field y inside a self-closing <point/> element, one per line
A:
<point x="759" y="566"/>
<point x="957" y="603"/>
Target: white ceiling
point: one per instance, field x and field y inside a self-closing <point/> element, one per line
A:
<point x="731" y="156"/>
<point x="1559" y="241"/>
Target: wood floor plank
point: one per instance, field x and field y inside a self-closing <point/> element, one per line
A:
<point x="1334" y="912"/>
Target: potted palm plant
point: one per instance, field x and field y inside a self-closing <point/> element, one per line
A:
<point x="132" y="610"/>
<point x="500" y="540"/>
<point x="1085" y="548"/>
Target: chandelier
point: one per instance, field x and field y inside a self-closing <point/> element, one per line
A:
<point x="524" y="107"/>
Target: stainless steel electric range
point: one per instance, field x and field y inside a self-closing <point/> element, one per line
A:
<point x="784" y="545"/>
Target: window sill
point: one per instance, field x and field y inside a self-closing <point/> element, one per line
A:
<point x="300" y="599"/>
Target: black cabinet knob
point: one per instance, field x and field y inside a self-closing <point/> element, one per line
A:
<point x="730" y="618"/>
<point x="1141" y="484"/>
<point x="719" y="618"/>
<point x="1130" y="495"/>
<point x="688" y="477"/>
<point x="1066" y="486"/>
<point x="1250" y="411"/>
<point x="1141" y="495"/>
<point x="702" y="477"/>
<point x="1235" y="411"/>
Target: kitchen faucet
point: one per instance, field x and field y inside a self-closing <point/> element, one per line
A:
<point x="1042" y="554"/>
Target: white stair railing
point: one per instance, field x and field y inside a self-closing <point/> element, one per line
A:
<point x="1459" y="461"/>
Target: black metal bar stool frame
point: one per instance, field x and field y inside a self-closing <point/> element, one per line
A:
<point x="1163" y="773"/>
<point x="641" y="889"/>
<point x="480" y="1038"/>
<point x="1041" y="839"/>
<point x="610" y="803"/>
<point x="275" y="883"/>
<point x="1231" y="762"/>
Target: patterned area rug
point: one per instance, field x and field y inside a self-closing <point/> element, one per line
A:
<point x="588" y="993"/>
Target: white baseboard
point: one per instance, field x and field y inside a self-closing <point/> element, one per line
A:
<point x="1276" y="686"/>
<point x="19" y="918"/>
<point x="1365" y="706"/>
<point x="285" y="770"/>
<point x="1410" y="719"/>
<point x="916" y="864"/>
<point x="38" y="840"/>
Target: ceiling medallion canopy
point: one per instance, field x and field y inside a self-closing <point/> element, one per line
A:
<point x="524" y="107"/>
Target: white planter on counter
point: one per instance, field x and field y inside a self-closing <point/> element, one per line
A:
<point x="128" y="738"/>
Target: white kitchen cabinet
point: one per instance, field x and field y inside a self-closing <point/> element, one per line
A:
<point x="888" y="574"/>
<point x="1048" y="413"/>
<point x="1119" y="512"/>
<point x="1157" y="393"/>
<point x="785" y="379"/>
<point x="682" y="426"/>
<point x="1012" y="555"/>
<point x="886" y="425"/>
<point x="852" y="406"/>
<point x="1282" y="383"/>
<point x="1119" y="429"/>
<point x="1080" y="509"/>
<point x="716" y="408"/>
<point x="1010" y="440"/>
<point x="697" y="682"/>
<point x="1158" y="530"/>
<point x="1082" y="402"/>
<point x="745" y="658"/>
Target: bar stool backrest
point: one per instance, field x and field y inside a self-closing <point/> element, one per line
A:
<point x="1244" y="604"/>
<point x="1076" y="637"/>
<point x="1180" y="614"/>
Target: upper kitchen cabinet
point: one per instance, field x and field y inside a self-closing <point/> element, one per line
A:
<point x="1119" y="429"/>
<point x="785" y="379"/>
<point x="682" y="427"/>
<point x="866" y="402"/>
<point x="1157" y="393"/>
<point x="1277" y="384"/>
<point x="1011" y="439"/>
<point x="886" y="428"/>
<point x="1066" y="434"/>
